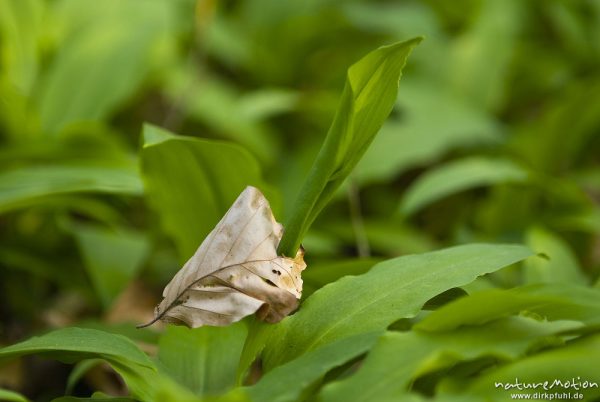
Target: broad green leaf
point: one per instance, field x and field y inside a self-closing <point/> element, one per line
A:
<point x="11" y="396"/>
<point x="126" y="329"/>
<point x="23" y="187"/>
<point x="286" y="382"/>
<point x="118" y="45"/>
<point x="367" y="100"/>
<point x="552" y="301"/>
<point x="415" y="139"/>
<point x="112" y="258"/>
<point x="192" y="183"/>
<point x="204" y="359"/>
<point x="560" y="264"/>
<point x="391" y="290"/>
<point x="458" y="176"/>
<point x="399" y="358"/>
<point x="326" y="272"/>
<point x="73" y="344"/>
<point x="573" y="363"/>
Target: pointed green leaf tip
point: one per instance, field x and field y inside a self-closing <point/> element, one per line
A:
<point x="152" y="135"/>
<point x="367" y="100"/>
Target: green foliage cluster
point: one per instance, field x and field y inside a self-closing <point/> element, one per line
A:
<point x="452" y="229"/>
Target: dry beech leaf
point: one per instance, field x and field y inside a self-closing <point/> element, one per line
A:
<point x="236" y="271"/>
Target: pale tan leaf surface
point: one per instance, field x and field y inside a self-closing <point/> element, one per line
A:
<point x="236" y="271"/>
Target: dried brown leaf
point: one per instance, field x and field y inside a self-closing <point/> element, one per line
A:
<point x="236" y="271"/>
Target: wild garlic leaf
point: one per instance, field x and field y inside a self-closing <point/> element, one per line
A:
<point x="367" y="99"/>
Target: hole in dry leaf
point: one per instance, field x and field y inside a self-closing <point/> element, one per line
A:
<point x="269" y="282"/>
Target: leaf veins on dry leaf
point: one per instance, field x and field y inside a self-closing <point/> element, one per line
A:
<point x="235" y="272"/>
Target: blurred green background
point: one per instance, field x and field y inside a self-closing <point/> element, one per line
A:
<point x="495" y="137"/>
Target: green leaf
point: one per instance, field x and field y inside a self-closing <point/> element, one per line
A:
<point x="126" y="329"/>
<point x="368" y="97"/>
<point x="11" y="396"/>
<point x="399" y="358"/>
<point x="112" y="258"/>
<point x="561" y="264"/>
<point x="323" y="273"/>
<point x="114" y="43"/>
<point x="259" y="333"/>
<point x="204" y="359"/>
<point x="391" y="290"/>
<point x="286" y="382"/>
<point x="552" y="301"/>
<point x="458" y="176"/>
<point x="23" y="187"/>
<point x="192" y="183"/>
<point x="571" y="363"/>
<point x="73" y="344"/>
